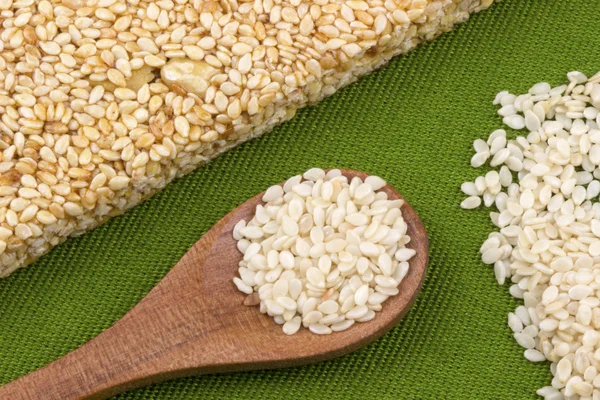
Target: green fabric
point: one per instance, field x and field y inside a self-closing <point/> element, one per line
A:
<point x="412" y="123"/>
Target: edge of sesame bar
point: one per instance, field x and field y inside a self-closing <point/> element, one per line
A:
<point x="439" y="17"/>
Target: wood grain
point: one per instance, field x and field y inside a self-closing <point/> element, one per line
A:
<point x="193" y="322"/>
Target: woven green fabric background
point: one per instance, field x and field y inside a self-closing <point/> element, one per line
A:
<point x="412" y="123"/>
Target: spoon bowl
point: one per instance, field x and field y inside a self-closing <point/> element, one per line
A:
<point x="194" y="322"/>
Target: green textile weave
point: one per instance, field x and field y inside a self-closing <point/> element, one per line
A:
<point x="412" y="123"/>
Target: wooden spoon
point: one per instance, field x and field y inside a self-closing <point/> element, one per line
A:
<point x="194" y="322"/>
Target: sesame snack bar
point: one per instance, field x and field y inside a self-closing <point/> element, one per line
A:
<point x="104" y="102"/>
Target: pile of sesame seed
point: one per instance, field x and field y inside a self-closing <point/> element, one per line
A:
<point x="103" y="102"/>
<point x="548" y="215"/>
<point x="323" y="252"/>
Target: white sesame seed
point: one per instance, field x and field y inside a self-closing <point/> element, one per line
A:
<point x="292" y="326"/>
<point x="514" y="121"/>
<point x="471" y="202"/>
<point x="479" y="159"/>
<point x="534" y="355"/>
<point x="375" y="182"/>
<point x="320" y="329"/>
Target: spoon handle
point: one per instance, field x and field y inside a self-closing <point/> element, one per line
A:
<point x="149" y="344"/>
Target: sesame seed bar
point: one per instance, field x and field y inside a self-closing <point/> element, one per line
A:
<point x="104" y="102"/>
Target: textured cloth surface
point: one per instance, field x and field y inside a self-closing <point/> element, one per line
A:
<point x="412" y="123"/>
